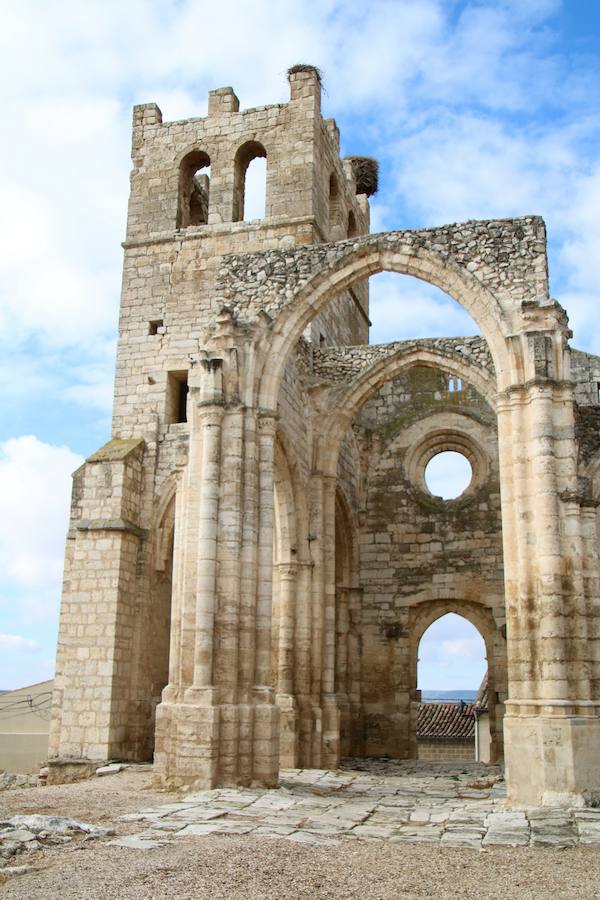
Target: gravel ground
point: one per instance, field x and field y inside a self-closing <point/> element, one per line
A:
<point x="98" y="800"/>
<point x="251" y="868"/>
<point x="240" y="868"/>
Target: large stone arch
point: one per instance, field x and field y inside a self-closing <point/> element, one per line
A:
<point x="393" y="252"/>
<point x="346" y="402"/>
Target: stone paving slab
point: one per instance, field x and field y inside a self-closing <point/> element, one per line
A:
<point x="453" y="805"/>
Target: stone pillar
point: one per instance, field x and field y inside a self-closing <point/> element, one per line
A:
<point x="98" y="614"/>
<point x="325" y="750"/>
<point x="303" y="663"/>
<point x="551" y="727"/>
<point x="288" y="714"/>
<point x="187" y="719"/>
<point x="341" y="667"/>
<point x="265" y="713"/>
<point x="354" y="673"/>
<point x="331" y="714"/>
<point x="591" y="558"/>
<point x="218" y="722"/>
<point x="208" y="476"/>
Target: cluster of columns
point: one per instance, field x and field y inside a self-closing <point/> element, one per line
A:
<point x="236" y="706"/>
<point x="552" y="724"/>
<point x="218" y="722"/>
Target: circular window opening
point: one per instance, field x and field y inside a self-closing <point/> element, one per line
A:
<point x="448" y="474"/>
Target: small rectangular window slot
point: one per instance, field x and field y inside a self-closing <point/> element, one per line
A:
<point x="598" y="391"/>
<point x="155" y="326"/>
<point x="177" y="394"/>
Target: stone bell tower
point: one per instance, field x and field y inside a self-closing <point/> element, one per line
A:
<point x="124" y="639"/>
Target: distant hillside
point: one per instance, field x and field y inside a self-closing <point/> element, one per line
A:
<point x="446" y="696"/>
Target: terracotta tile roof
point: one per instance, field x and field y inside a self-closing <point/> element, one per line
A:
<point x="445" y="721"/>
<point x="481" y="700"/>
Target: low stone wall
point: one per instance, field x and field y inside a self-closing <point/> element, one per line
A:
<point x="10" y="780"/>
<point x="438" y="750"/>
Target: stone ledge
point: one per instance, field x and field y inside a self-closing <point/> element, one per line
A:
<point x="116" y="449"/>
<point x="66" y="770"/>
<point x="111" y="525"/>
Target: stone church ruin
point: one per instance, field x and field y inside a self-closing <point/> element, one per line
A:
<point x="254" y="556"/>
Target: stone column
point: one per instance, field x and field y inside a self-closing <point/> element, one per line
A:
<point x="552" y="729"/>
<point x="355" y="671"/>
<point x="208" y="476"/>
<point x="266" y="713"/>
<point x="187" y="719"/>
<point x="341" y="667"/>
<point x="303" y="662"/>
<point x="288" y="751"/>
<point x="247" y="599"/>
<point x="331" y="714"/>
<point x="591" y="559"/>
<point x="232" y="718"/>
<point x="218" y="724"/>
<point x="325" y="725"/>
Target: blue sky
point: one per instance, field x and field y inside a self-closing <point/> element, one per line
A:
<point x="474" y="109"/>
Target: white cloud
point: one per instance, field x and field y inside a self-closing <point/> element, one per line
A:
<point x="35" y="490"/>
<point x="12" y="642"/>
<point x="464" y="165"/>
<point x="403" y="307"/>
<point x="452" y="655"/>
<point x="466" y="648"/>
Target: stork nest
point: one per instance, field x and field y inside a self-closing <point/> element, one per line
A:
<point x="305" y="67"/>
<point x="366" y="173"/>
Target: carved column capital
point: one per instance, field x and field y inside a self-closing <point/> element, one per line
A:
<point x="267" y="422"/>
<point x="288" y="570"/>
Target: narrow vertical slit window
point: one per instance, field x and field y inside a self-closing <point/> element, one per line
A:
<point x="352" y="229"/>
<point x="177" y="395"/>
<point x="334" y="206"/>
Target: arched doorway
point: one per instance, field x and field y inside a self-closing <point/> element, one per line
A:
<point x="487" y="634"/>
<point x="153" y="632"/>
<point x="451" y="668"/>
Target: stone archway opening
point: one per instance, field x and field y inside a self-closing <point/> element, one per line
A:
<point x="413" y="543"/>
<point x="152" y="646"/>
<point x="402" y="307"/>
<point x="451" y="718"/>
<point x="376" y="720"/>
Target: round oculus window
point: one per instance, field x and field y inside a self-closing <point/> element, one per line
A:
<point x="448" y="474"/>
